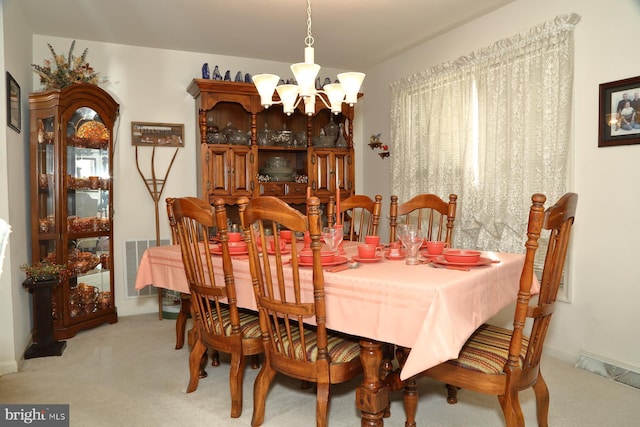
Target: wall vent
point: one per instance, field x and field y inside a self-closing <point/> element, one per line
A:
<point x="608" y="370"/>
<point x="133" y="250"/>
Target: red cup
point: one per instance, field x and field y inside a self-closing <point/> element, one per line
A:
<point x="372" y="240"/>
<point x="272" y="244"/>
<point x="435" y="247"/>
<point x="234" y="236"/>
<point x="367" y="251"/>
<point x="285" y="235"/>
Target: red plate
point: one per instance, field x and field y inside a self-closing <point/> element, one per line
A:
<point x="233" y="250"/>
<point x="481" y="261"/>
<point x="282" y="251"/>
<point x="338" y="260"/>
<point x="376" y="259"/>
<point x="428" y="255"/>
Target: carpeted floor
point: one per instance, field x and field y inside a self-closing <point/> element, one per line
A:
<point x="128" y="374"/>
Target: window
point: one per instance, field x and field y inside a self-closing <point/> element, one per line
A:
<point x="493" y="127"/>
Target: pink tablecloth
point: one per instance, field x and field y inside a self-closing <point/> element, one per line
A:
<point x="430" y="310"/>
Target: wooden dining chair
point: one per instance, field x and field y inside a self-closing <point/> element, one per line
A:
<point x="185" y="299"/>
<point x="217" y="321"/>
<point x="501" y="361"/>
<point x="433" y="216"/>
<point x="359" y="214"/>
<point x="293" y="313"/>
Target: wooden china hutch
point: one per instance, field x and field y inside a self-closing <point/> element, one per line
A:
<point x="241" y="163"/>
<point x="71" y="142"/>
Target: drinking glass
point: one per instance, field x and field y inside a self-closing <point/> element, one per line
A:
<point x="411" y="238"/>
<point x="332" y="236"/>
<point x="338" y="236"/>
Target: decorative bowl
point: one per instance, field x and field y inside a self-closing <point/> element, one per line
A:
<point x="277" y="162"/>
<point x="306" y="256"/>
<point x="237" y="247"/>
<point x="238" y="138"/>
<point x="461" y="256"/>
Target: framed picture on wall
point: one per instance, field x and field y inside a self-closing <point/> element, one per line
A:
<point x="157" y="134"/>
<point x="619" y="113"/>
<point x="14" y="120"/>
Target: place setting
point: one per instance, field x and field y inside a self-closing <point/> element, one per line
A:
<point x="332" y="237"/>
<point x="237" y="246"/>
<point x="368" y="253"/>
<point x="394" y="252"/>
<point x="283" y="243"/>
<point x="461" y="259"/>
<point x="328" y="258"/>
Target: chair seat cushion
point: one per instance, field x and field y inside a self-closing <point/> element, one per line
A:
<point x="487" y="350"/>
<point x="341" y="349"/>
<point x="249" y="323"/>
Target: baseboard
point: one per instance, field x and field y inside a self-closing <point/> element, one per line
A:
<point x="8" y="367"/>
<point x="560" y="354"/>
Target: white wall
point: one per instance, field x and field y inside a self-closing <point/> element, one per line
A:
<point x="602" y="317"/>
<point x="15" y="314"/>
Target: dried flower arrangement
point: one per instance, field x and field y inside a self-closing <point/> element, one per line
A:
<point x="43" y="270"/>
<point x="64" y="71"/>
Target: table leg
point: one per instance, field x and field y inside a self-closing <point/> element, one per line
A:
<point x="372" y="396"/>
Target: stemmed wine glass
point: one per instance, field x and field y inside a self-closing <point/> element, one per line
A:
<point x="332" y="236"/>
<point x="411" y="238"/>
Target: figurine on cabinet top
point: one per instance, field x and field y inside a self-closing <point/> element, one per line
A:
<point x="216" y="74"/>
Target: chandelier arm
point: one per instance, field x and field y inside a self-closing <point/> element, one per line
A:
<point x="325" y="102"/>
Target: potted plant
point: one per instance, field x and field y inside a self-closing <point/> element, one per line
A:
<point x="43" y="271"/>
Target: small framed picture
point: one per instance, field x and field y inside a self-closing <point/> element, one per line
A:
<point x="14" y="119"/>
<point x="619" y="113"/>
<point x="157" y="134"/>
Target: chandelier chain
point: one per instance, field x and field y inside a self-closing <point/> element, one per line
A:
<point x="309" y="39"/>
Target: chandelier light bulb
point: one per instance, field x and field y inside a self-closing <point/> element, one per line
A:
<point x="351" y="83"/>
<point x="266" y="84"/>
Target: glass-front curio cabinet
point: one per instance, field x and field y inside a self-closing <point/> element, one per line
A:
<point x="71" y="137"/>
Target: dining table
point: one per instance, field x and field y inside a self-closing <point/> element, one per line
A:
<point x="431" y="311"/>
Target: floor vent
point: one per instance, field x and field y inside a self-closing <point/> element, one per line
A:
<point x="608" y="370"/>
<point x="133" y="250"/>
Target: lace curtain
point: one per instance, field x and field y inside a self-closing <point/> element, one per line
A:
<point x="492" y="127"/>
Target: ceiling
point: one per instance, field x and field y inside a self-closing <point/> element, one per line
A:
<point x="349" y="34"/>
